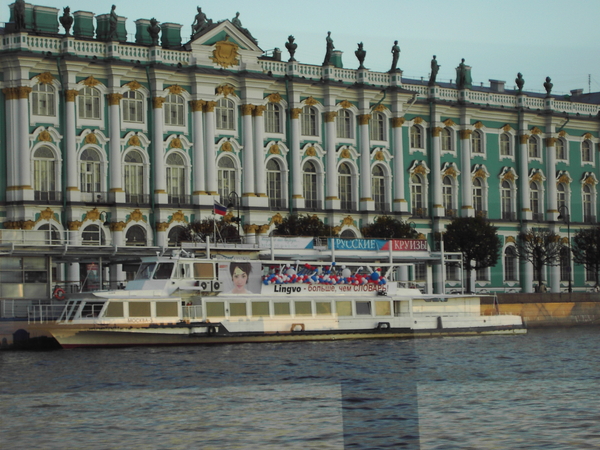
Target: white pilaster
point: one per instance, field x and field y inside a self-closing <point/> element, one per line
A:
<point x="526" y="213"/>
<point x="296" y="170"/>
<point x="114" y="110"/>
<point x="209" y="148"/>
<point x="436" y="172"/>
<point x="198" y="151"/>
<point x="248" y="152"/>
<point x="23" y="142"/>
<point x="400" y="203"/>
<point x="332" y="200"/>
<point x="466" y="183"/>
<point x="366" y="201"/>
<point x="160" y="177"/>
<point x="260" y="184"/>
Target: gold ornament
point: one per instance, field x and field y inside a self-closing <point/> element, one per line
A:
<point x="90" y="81"/>
<point x="45" y="78"/>
<point x="225" y="53"/>
<point x="225" y="90"/>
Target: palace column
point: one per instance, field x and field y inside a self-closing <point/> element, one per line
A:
<point x="117" y="276"/>
<point x="400" y="203"/>
<point x="551" y="199"/>
<point x="296" y="169"/>
<point x="526" y="213"/>
<point x="114" y="126"/>
<point x="160" y="176"/>
<point x="22" y="142"/>
<point x="260" y="183"/>
<point x="466" y="182"/>
<point x="248" y="153"/>
<point x="366" y="200"/>
<point x="332" y="200"/>
<point x="198" y="164"/>
<point x="71" y="145"/>
<point x="12" y="156"/>
<point x="436" y="172"/>
<point x="209" y="149"/>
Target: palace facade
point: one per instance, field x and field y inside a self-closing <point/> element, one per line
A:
<point x="114" y="143"/>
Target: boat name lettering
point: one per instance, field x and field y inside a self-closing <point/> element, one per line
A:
<point x="137" y="320"/>
<point x="287" y="289"/>
<point x="320" y="288"/>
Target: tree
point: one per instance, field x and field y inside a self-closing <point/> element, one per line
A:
<point x="198" y="230"/>
<point x="298" y="225"/>
<point x="541" y="247"/>
<point x="477" y="240"/>
<point x="586" y="250"/>
<point x="390" y="228"/>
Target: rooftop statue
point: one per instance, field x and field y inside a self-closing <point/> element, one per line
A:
<point x="66" y="20"/>
<point x="435" y="68"/>
<point x="112" y="33"/>
<point x="238" y="24"/>
<point x="548" y="86"/>
<point x="395" y="56"/>
<point x="19" y="14"/>
<point x="461" y="72"/>
<point x="360" y="55"/>
<point x="153" y="30"/>
<point x="200" y="22"/>
<point x="329" y="49"/>
<point x="520" y="82"/>
<point x="291" y="47"/>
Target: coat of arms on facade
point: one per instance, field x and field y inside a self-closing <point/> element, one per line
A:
<point x="225" y="53"/>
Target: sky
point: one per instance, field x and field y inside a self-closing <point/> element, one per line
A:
<point x="498" y="39"/>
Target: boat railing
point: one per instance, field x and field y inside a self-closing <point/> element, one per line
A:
<point x="44" y="313"/>
<point x="192" y="312"/>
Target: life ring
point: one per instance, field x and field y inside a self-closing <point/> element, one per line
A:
<point x="59" y="293"/>
<point x="211" y="331"/>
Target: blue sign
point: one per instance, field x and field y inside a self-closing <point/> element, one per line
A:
<point x="356" y="244"/>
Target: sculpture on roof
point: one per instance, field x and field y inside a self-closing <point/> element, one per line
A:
<point x="238" y="24"/>
<point x="113" y="20"/>
<point x="66" y="20"/>
<point x="291" y="47"/>
<point x="360" y="55"/>
<point x="395" y="56"/>
<point x="19" y="14"/>
<point x="435" y="68"/>
<point x="548" y="86"/>
<point x="200" y="22"/>
<point x="520" y="81"/>
<point x="153" y="30"/>
<point x="328" y="50"/>
<point x="461" y="72"/>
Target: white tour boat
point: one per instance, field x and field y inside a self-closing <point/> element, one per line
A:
<point x="182" y="300"/>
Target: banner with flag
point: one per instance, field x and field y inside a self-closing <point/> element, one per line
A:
<point x="220" y="209"/>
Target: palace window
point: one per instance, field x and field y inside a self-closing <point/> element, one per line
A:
<point x="565" y="264"/>
<point x="173" y="109"/>
<point x="378" y="188"/>
<point x="378" y="127"/>
<point x="510" y="264"/>
<point x="417" y="195"/>
<point x="476" y="142"/>
<point x="43" y="100"/>
<point x="345" y="186"/>
<point x="133" y="106"/>
<point x="274" y="185"/>
<point x="560" y="150"/>
<point x="310" y="121"/>
<point x="448" y="197"/>
<point x="479" y="197"/>
<point x="90" y="171"/>
<point x="44" y="174"/>
<point x="561" y="195"/>
<point x="344" y="124"/>
<point x="93" y="235"/>
<point x="446" y="138"/>
<point x="175" y="178"/>
<point x="89" y="103"/>
<point x="508" y="200"/>
<point x="505" y="147"/>
<point x="586" y="151"/>
<point x="416" y="137"/>
<point x="133" y="171"/>
<point x="309" y="188"/>
<point x="589" y="212"/>
<point x="226" y="177"/>
<point x="273" y="118"/>
<point x="225" y="114"/>
<point x="535" y="202"/>
<point x="534" y="147"/>
<point x="135" y="236"/>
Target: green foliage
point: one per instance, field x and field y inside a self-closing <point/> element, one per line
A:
<point x="477" y="240"/>
<point x="298" y="225"/>
<point x="198" y="230"/>
<point x="541" y="247"/>
<point x="388" y="227"/>
<point x="586" y="249"/>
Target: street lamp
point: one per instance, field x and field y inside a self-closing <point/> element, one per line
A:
<point x="563" y="214"/>
<point x="234" y="201"/>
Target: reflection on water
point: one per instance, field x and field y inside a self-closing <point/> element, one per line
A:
<point x="533" y="391"/>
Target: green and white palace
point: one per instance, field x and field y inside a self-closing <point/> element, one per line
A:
<point x="112" y="145"/>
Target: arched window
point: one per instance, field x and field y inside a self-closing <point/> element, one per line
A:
<point x="225" y="114"/>
<point x="273" y="118"/>
<point x="589" y="212"/>
<point x="173" y="110"/>
<point x="378" y="127"/>
<point x="535" y="203"/>
<point x="89" y="103"/>
<point x="175" y="236"/>
<point x="534" y="148"/>
<point x="90" y="172"/>
<point x="560" y="150"/>
<point x="565" y="264"/>
<point x="479" y="197"/>
<point x="417" y="195"/>
<point x="508" y="201"/>
<point x="345" y="187"/>
<point x="476" y="142"/>
<point x="274" y="185"/>
<point x="133" y="106"/>
<point x="344" y="124"/>
<point x="561" y="195"/>
<point x="510" y="264"/>
<point x="93" y="235"/>
<point x="133" y="172"/>
<point x="43" y="100"/>
<point x="309" y="121"/>
<point x="135" y="236"/>
<point x="586" y="151"/>
<point x="446" y="138"/>
<point x="505" y="147"/>
<point x="309" y="188"/>
<point x="348" y="234"/>
<point x="44" y="175"/>
<point x="448" y="196"/>
<point x="378" y="188"/>
<point x="226" y="178"/>
<point x="416" y="137"/>
<point x="176" y="178"/>
<point x="53" y="236"/>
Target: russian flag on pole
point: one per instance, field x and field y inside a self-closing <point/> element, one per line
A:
<point x="220" y="209"/>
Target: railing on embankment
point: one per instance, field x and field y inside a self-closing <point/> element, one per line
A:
<point x="547" y="310"/>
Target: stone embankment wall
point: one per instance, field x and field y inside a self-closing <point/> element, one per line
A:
<point x="547" y="310"/>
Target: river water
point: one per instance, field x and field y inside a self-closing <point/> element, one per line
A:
<point x="538" y="391"/>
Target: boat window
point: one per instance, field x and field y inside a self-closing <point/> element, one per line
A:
<point x="204" y="270"/>
<point x="163" y="271"/>
<point x="303" y="308"/>
<point x="363" y="308"/>
<point x="166" y="309"/>
<point x="145" y="271"/>
<point x="281" y="309"/>
<point x="139" y="309"/>
<point x="343" y="308"/>
<point x="114" y="309"/>
<point x="382" y="308"/>
<point x="323" y="308"/>
<point x="260" y="309"/>
<point x="215" y="309"/>
<point x="91" y="309"/>
<point x="237" y="309"/>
